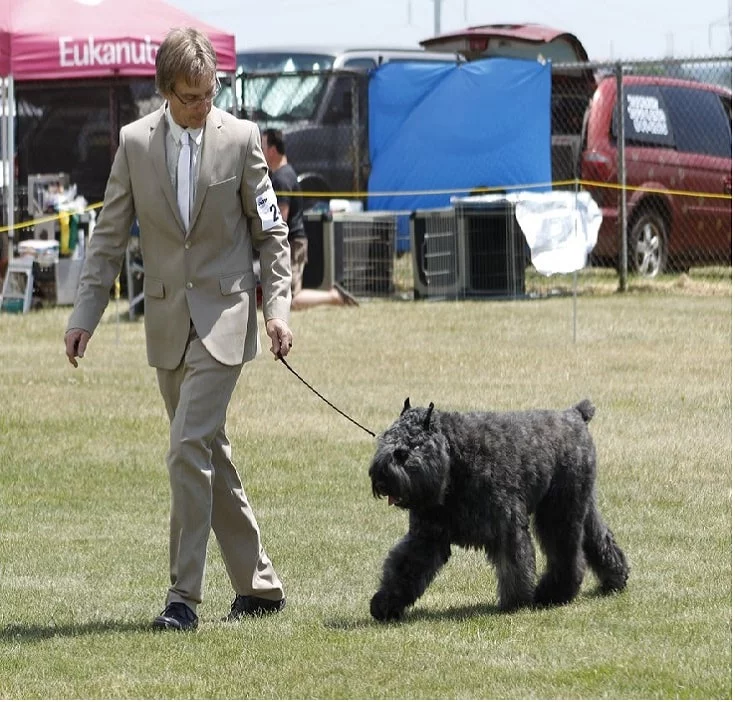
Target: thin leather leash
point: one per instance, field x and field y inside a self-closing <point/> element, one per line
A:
<point x="318" y="394"/>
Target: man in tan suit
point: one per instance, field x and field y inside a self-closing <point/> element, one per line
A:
<point x="196" y="179"/>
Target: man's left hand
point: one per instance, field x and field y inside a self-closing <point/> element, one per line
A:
<point x="280" y="335"/>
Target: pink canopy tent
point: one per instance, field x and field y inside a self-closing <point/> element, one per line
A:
<point x="42" y="40"/>
<point x="53" y="40"/>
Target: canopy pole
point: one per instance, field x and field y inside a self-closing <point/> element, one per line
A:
<point x="11" y="164"/>
<point x="4" y="143"/>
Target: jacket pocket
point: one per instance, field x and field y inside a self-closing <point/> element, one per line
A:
<point x="237" y="282"/>
<point x="152" y="287"/>
<point x="222" y="183"/>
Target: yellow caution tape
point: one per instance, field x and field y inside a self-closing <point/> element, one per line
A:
<point x="48" y="218"/>
<point x="453" y="191"/>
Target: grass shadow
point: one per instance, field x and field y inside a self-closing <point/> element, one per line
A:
<point x="29" y="633"/>
<point x="416" y="614"/>
<point x="459" y="613"/>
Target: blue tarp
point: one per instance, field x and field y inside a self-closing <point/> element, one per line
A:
<point x="456" y="127"/>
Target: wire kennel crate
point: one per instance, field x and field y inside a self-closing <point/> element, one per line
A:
<point x="435" y="253"/>
<point x="492" y="249"/>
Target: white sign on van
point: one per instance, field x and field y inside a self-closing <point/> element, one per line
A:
<point x="647" y="115"/>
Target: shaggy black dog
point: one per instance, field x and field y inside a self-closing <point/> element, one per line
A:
<point x="473" y="480"/>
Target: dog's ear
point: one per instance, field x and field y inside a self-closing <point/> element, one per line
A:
<point x="427" y="418"/>
<point x="406" y="405"/>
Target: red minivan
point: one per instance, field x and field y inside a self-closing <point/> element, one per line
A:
<point x="678" y="161"/>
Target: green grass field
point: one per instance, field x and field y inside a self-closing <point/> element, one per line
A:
<point x="84" y="507"/>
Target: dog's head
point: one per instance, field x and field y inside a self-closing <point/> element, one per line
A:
<point x="411" y="463"/>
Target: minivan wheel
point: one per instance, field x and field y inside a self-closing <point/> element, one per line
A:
<point x="648" y="244"/>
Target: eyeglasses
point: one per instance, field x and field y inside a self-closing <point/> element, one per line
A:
<point x="191" y="101"/>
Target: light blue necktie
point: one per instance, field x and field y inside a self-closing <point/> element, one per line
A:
<point x="182" y="178"/>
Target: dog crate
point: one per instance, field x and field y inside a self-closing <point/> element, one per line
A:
<point x="364" y="249"/>
<point x="355" y="249"/>
<point x="320" y="271"/>
<point x="435" y="253"/>
<point x="492" y="249"/>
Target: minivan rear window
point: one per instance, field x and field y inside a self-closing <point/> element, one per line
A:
<point x="699" y="121"/>
<point x="647" y="121"/>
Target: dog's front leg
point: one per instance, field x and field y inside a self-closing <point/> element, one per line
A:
<point x="409" y="568"/>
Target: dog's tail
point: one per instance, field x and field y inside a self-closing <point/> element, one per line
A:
<point x="586" y="409"/>
<point x="604" y="556"/>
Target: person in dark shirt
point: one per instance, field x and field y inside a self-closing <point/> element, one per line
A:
<point x="285" y="182"/>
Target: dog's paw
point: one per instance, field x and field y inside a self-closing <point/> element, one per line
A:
<point x="384" y="608"/>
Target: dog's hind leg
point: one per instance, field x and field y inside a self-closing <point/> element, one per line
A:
<point x="559" y="528"/>
<point x="604" y="556"/>
<point x="515" y="563"/>
<point x="409" y="568"/>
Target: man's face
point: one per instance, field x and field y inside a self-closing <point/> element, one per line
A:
<point x="190" y="104"/>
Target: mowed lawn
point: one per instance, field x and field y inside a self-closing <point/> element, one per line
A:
<point x="84" y="508"/>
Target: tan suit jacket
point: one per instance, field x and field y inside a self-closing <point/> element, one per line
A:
<point x="206" y="274"/>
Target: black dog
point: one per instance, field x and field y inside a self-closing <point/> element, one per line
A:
<point x="473" y="480"/>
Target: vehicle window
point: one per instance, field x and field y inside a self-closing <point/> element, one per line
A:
<point x="272" y="61"/>
<point x="363" y="64"/>
<point x="451" y="58"/>
<point x="282" y="97"/>
<point x="699" y="121"/>
<point x="261" y="94"/>
<point x="647" y="122"/>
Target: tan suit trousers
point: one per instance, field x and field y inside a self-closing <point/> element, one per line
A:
<point x="206" y="491"/>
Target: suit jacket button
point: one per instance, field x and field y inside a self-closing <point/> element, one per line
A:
<point x="187" y="245"/>
<point x="189" y="286"/>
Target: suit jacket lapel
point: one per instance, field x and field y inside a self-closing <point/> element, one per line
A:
<point x="212" y="131"/>
<point x="158" y="157"/>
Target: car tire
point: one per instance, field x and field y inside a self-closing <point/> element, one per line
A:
<point x="648" y="244"/>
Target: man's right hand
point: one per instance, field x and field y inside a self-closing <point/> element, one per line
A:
<point x="76" y="341"/>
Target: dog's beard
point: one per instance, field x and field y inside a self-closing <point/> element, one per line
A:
<point x="407" y="480"/>
<point x="390" y="480"/>
<point x="410" y="466"/>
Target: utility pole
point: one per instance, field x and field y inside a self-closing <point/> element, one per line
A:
<point x="720" y="23"/>
<point x="437" y="17"/>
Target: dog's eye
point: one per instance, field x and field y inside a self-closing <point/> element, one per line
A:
<point x="400" y="455"/>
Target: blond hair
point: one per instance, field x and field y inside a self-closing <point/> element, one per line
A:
<point x="185" y="53"/>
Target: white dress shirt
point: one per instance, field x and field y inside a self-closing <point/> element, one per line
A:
<point x="173" y="146"/>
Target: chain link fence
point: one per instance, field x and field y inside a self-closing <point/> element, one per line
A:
<point x="654" y="148"/>
<point x="323" y="115"/>
<point x="650" y="140"/>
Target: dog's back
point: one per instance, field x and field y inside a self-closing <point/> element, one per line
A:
<point x="525" y="429"/>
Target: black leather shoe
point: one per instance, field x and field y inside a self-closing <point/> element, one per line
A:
<point x="250" y="606"/>
<point x="176" y="616"/>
